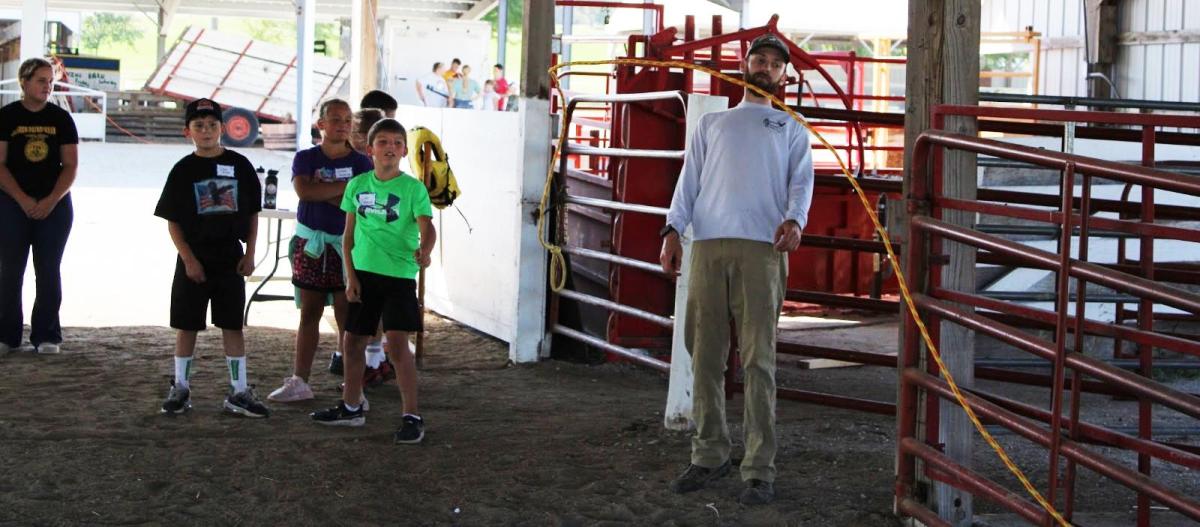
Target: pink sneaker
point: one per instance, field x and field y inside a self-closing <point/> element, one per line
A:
<point x="294" y="389"/>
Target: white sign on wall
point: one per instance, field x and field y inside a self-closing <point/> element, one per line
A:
<point x="102" y="80"/>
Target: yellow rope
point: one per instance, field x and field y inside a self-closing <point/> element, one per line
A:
<point x="558" y="270"/>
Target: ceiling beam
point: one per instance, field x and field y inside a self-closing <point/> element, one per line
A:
<point x="169" y="9"/>
<point x="273" y="9"/>
<point x="480" y="10"/>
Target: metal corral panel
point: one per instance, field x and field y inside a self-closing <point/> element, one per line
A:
<point x="1158" y="56"/>
<point x="239" y="72"/>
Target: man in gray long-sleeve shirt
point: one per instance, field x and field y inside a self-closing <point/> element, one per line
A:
<point x="745" y="190"/>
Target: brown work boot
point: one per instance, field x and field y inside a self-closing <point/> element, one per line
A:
<point x="696" y="476"/>
<point x="757" y="492"/>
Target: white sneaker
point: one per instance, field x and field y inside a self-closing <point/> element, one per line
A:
<point x="47" y="348"/>
<point x="294" y="389"/>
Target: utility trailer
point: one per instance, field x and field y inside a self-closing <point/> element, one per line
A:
<point x="254" y="81"/>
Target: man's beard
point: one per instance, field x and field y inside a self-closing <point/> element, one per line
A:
<point x="762" y="81"/>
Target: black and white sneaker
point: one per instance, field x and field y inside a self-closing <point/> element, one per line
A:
<point x="340" y="416"/>
<point x="246" y="404"/>
<point x="411" y="431"/>
<point x="335" y="364"/>
<point x="179" y="400"/>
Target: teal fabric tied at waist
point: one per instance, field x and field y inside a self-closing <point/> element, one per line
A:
<point x="314" y="246"/>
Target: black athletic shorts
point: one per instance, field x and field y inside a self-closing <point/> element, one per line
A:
<point x="393" y="299"/>
<point x="223" y="287"/>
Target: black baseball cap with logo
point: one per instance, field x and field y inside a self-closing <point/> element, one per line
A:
<point x="200" y="108"/>
<point x="770" y="41"/>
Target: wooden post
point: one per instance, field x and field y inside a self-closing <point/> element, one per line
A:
<point x="166" y="15"/>
<point x="419" y="353"/>
<point x="535" y="48"/>
<point x="1101" y="18"/>
<point x="678" y="413"/>
<point x="364" y="49"/>
<point x="943" y="67"/>
<point x="531" y="341"/>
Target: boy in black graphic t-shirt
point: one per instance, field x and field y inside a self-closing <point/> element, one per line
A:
<point x="211" y="202"/>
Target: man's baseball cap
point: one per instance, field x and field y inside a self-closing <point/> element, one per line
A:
<point x="200" y="108"/>
<point x="770" y="41"/>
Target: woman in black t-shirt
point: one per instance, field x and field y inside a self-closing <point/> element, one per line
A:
<point x="38" y="157"/>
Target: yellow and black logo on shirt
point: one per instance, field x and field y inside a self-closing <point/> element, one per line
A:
<point x="36" y="149"/>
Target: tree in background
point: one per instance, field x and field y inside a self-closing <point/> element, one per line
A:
<point x="283" y="33"/>
<point x="516" y="14"/>
<point x="516" y="19"/>
<point x="108" y="28"/>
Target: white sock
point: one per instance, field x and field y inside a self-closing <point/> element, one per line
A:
<point x="237" y="373"/>
<point x="337" y="354"/>
<point x="183" y="371"/>
<point x="352" y="408"/>
<point x="375" y="354"/>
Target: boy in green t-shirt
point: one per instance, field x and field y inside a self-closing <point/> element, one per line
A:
<point x="389" y="237"/>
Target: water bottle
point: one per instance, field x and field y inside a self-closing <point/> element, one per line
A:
<point x="270" y="188"/>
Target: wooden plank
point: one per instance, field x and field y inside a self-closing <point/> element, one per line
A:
<point x="960" y="86"/>
<point x="922" y="90"/>
<point x="1104" y="55"/>
<point x="535" y="48"/>
<point x="943" y="47"/>
<point x="824" y="364"/>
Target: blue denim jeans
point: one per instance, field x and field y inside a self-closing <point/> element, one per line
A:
<point x="47" y="238"/>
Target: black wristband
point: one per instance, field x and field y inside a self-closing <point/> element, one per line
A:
<point x="667" y="229"/>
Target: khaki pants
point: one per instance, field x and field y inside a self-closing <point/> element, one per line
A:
<point x="743" y="281"/>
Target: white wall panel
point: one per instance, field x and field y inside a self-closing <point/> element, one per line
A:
<point x="1054" y="19"/>
<point x="473" y="278"/>
<point x="1162" y="71"/>
<point x="1170" y="71"/>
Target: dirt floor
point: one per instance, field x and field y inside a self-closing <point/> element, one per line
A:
<point x="555" y="443"/>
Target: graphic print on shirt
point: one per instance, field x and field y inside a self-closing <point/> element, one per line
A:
<point x="36" y="149"/>
<point x="369" y="206"/>
<point x="774" y="126"/>
<point x="216" y="196"/>
<point x="334" y="175"/>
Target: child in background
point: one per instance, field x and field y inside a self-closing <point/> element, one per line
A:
<point x="491" y="99"/>
<point x="361" y="124"/>
<point x="381" y="101"/>
<point x="319" y="175"/>
<point x="211" y="202"/>
<point x="389" y="238"/>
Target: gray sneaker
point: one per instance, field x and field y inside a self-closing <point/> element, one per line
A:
<point x="179" y="400"/>
<point x="48" y="348"/>
<point x="246" y="404"/>
<point x="757" y="492"/>
<point x="696" y="476"/>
